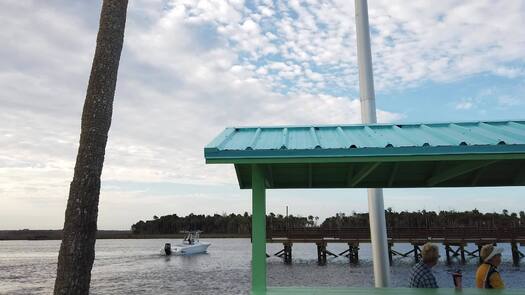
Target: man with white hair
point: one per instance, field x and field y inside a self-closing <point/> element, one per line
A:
<point x="421" y="275"/>
<point x="487" y="275"/>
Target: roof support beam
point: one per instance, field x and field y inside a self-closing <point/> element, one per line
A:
<point x="269" y="176"/>
<point x="238" y="173"/>
<point x="350" y="174"/>
<point x="364" y="172"/>
<point x="476" y="177"/>
<point x="310" y="176"/>
<point x="393" y="174"/>
<point x="457" y="171"/>
<point x="478" y="174"/>
<point x="520" y="177"/>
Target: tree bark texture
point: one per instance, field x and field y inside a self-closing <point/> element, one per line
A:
<point x="77" y="251"/>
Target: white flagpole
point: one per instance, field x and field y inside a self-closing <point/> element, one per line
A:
<point x="376" y="207"/>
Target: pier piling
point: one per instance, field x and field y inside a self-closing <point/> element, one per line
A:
<point x="458" y="252"/>
<point x="321" y="253"/>
<point x="462" y="249"/>
<point x="417" y="253"/>
<point x="390" y="245"/>
<point x="516" y="254"/>
<point x="353" y="252"/>
<point x="447" y="252"/>
<point x="287" y="253"/>
<point x="479" y="253"/>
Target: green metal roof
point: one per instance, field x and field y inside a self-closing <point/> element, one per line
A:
<point x="377" y="155"/>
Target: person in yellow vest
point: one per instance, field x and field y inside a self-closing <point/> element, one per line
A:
<point x="487" y="275"/>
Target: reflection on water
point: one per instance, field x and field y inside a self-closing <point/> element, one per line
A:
<point x="134" y="267"/>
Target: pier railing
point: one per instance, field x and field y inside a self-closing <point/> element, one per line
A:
<point x="401" y="234"/>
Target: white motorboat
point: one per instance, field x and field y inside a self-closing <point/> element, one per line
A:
<point x="190" y="245"/>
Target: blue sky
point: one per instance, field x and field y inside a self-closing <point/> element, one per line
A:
<point x="191" y="68"/>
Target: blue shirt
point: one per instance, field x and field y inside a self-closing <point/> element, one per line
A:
<point x="421" y="276"/>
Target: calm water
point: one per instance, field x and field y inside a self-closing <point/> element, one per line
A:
<point x="135" y="267"/>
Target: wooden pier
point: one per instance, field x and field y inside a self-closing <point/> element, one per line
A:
<point x="454" y="240"/>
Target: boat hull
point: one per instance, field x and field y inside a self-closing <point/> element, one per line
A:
<point x="187" y="249"/>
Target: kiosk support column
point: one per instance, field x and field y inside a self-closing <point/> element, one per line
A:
<point x="258" y="231"/>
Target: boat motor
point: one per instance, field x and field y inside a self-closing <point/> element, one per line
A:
<point x="167" y="249"/>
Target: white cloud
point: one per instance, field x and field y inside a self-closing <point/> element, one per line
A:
<point x="509" y="72"/>
<point x="190" y="68"/>
<point x="411" y="43"/>
<point x="509" y="101"/>
<point x="465" y="104"/>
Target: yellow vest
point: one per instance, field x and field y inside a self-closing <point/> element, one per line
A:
<point x="488" y="277"/>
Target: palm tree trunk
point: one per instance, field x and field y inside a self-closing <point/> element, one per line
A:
<point x="77" y="250"/>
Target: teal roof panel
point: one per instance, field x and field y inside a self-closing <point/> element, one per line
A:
<point x="368" y="140"/>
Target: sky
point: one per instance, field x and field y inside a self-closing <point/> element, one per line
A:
<point x="191" y="68"/>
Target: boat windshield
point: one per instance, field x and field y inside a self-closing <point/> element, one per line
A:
<point x="192" y="237"/>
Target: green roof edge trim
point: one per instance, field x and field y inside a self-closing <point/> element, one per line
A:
<point x="509" y="151"/>
<point x="282" y="160"/>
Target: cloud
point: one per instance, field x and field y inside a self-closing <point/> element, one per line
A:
<point x="509" y="101"/>
<point x="411" y="43"/>
<point x="465" y="104"/>
<point x="509" y="72"/>
<point x="505" y="98"/>
<point x="191" y="68"/>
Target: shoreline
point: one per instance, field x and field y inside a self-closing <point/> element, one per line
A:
<point x="42" y="235"/>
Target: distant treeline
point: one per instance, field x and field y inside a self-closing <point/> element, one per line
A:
<point x="27" y="234"/>
<point x="433" y="219"/>
<point x="240" y="224"/>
